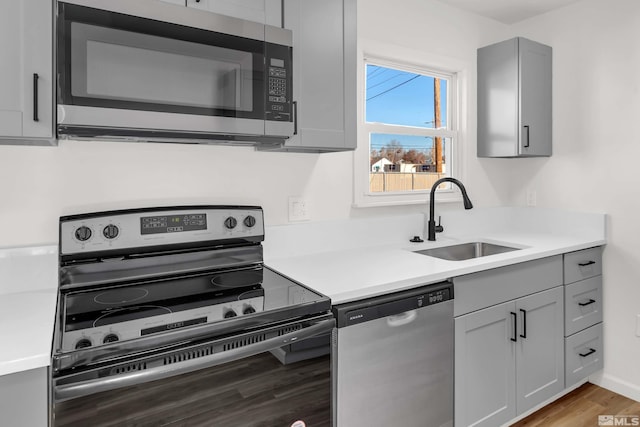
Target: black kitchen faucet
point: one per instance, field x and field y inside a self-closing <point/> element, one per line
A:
<point x="432" y="204"/>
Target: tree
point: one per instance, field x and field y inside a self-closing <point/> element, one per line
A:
<point x="415" y="157"/>
<point x="394" y="152"/>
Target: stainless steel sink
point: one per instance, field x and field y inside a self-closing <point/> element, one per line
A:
<point x="466" y="251"/>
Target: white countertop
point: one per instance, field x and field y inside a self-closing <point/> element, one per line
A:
<point x="389" y="264"/>
<point x="345" y="260"/>
<point x="28" y="292"/>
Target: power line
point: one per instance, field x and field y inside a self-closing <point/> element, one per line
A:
<point x="384" y="81"/>
<point x="394" y="87"/>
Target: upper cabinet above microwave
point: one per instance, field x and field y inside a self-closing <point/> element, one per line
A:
<point x="514" y="99"/>
<point x="263" y="11"/>
<point x="26" y="72"/>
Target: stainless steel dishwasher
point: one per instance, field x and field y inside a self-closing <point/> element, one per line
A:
<point x="392" y="359"/>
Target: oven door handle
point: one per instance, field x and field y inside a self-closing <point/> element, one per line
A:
<point x="84" y="388"/>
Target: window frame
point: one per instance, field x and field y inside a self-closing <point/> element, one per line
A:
<point x="423" y="63"/>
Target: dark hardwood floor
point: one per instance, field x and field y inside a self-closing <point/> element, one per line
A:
<point x="253" y="392"/>
<point x="582" y="408"/>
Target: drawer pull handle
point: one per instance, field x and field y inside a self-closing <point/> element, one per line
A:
<point x="590" y="352"/>
<point x="584" y="264"/>
<point x="584" y="304"/>
<point x="514" y="338"/>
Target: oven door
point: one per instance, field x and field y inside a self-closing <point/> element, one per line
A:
<point x="226" y="382"/>
<point x="147" y="68"/>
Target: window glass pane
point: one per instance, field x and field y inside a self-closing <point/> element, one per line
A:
<point x="406" y="162"/>
<point x="404" y="98"/>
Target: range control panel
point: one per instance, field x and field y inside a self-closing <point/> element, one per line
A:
<point x="118" y="230"/>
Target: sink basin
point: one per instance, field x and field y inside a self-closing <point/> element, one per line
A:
<point x="465" y="251"/>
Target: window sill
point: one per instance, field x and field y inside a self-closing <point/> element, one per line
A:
<point x="378" y="200"/>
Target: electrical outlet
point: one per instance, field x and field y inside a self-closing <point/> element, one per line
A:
<point x="531" y="197"/>
<point x="298" y="209"/>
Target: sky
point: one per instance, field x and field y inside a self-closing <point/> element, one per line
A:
<point x="402" y="98"/>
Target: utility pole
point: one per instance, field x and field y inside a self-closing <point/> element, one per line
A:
<point x="437" y="124"/>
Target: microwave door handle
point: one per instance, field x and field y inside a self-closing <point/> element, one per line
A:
<point x="84" y="388"/>
<point x="295" y="117"/>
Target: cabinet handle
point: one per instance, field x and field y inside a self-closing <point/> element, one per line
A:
<point x="514" y="338"/>
<point x="35" y="97"/>
<point x="527" y="129"/>
<point x="584" y="264"/>
<point x="591" y="351"/>
<point x="295" y="117"/>
<point x="584" y="304"/>
<point x="524" y="324"/>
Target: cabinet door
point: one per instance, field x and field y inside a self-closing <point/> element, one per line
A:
<point x="540" y="347"/>
<point x="23" y="398"/>
<point x="535" y="98"/>
<point x="324" y="62"/>
<point x="26" y="69"/>
<point x="485" y="367"/>
<point x="262" y="11"/>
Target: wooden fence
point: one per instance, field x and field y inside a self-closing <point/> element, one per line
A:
<point x="402" y="181"/>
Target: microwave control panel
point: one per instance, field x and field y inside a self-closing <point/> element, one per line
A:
<point x="278" y="81"/>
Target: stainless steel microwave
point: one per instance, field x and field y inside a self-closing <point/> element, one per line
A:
<point x="152" y="71"/>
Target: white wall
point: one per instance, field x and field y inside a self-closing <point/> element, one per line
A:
<point x="38" y="184"/>
<point x="596" y="159"/>
<point x="594" y="166"/>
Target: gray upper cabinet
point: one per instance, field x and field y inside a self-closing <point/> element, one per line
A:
<point x="324" y="69"/>
<point x="26" y="72"/>
<point x="514" y="99"/>
<point x="263" y="11"/>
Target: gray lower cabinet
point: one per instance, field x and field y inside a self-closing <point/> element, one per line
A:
<point x="24" y="399"/>
<point x="583" y="314"/>
<point x="514" y="99"/>
<point x="26" y="72"/>
<point x="509" y="358"/>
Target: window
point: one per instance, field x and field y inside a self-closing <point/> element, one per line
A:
<point x="409" y="127"/>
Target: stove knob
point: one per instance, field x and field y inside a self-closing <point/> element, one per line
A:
<point x="83" y="233"/>
<point x="230" y="223"/>
<point x="229" y="314"/>
<point x="111" y="231"/>
<point x="248" y="310"/>
<point x="110" y="338"/>
<point x="250" y="221"/>
<point x="83" y="343"/>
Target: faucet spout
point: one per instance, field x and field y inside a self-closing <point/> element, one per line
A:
<point x="432" y="204"/>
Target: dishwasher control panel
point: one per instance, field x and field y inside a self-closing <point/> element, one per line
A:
<point x="392" y="304"/>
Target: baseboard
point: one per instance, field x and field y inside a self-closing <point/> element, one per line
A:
<point x="616" y="385"/>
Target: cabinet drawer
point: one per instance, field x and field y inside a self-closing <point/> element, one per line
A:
<point x="583" y="264"/>
<point x="583" y="354"/>
<point x="480" y="290"/>
<point x="582" y="304"/>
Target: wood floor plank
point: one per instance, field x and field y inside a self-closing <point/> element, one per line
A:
<point x="581" y="408"/>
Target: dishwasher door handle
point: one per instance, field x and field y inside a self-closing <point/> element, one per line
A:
<point x="402" y="318"/>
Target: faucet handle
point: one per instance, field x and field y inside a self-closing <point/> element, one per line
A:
<point x="439" y="227"/>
